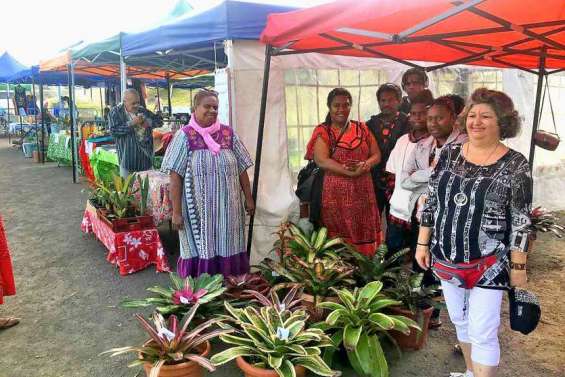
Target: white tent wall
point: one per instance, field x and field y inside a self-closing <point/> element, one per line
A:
<point x="276" y="201"/>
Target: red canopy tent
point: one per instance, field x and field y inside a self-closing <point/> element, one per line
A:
<point x="526" y="34"/>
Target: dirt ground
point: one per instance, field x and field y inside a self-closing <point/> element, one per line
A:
<point x="67" y="294"/>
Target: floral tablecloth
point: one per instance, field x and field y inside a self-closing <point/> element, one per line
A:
<point x="159" y="204"/>
<point x="129" y="251"/>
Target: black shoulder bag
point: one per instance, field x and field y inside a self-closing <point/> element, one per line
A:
<point x="311" y="180"/>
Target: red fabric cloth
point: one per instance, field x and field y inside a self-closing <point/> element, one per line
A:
<point x="130" y="251"/>
<point x="349" y="205"/>
<point x="384" y="28"/>
<point x="7" y="285"/>
<point x="85" y="161"/>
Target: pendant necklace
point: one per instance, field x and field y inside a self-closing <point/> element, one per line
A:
<point x="460" y="199"/>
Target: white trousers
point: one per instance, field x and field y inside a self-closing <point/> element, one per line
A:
<point x="476" y="316"/>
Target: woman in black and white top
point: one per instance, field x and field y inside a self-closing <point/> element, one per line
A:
<point x="475" y="226"/>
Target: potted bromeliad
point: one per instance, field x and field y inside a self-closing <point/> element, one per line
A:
<point x="314" y="261"/>
<point x="183" y="294"/>
<point x="237" y="286"/>
<point x="273" y="342"/>
<point x="544" y="221"/>
<point x="379" y="267"/>
<point x="356" y="322"/>
<point x="175" y="348"/>
<point x="418" y="303"/>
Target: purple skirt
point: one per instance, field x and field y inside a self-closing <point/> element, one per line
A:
<point x="237" y="264"/>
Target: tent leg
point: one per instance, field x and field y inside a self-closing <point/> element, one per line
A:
<point x="43" y="110"/>
<point x="34" y="103"/>
<point x="8" y="115"/>
<point x="537" y="109"/>
<point x="259" y="148"/>
<point x="72" y="120"/>
<point x="169" y="97"/>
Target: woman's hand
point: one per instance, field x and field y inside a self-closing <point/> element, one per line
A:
<point x="423" y="256"/>
<point x="177" y="221"/>
<point x="360" y="169"/>
<point x="518" y="278"/>
<point x="250" y="206"/>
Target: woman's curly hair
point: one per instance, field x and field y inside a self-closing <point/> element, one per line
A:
<point x="507" y="116"/>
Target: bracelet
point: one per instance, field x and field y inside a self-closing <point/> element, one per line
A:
<point x="423" y="244"/>
<point x="518" y="266"/>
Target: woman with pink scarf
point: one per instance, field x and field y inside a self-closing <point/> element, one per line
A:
<point x="210" y="192"/>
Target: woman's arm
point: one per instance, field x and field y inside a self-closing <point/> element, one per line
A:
<point x="423" y="247"/>
<point x="520" y="208"/>
<point x="176" y="198"/>
<point x="246" y="188"/>
<point x="324" y="161"/>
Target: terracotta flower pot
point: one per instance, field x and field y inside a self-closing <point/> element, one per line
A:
<point x="185" y="369"/>
<point x="316" y="315"/>
<point x="251" y="371"/>
<point x="415" y="340"/>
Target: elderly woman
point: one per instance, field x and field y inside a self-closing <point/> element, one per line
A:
<point x="347" y="151"/>
<point x="207" y="164"/>
<point x="474" y="229"/>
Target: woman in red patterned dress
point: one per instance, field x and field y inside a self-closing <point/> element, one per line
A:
<point x="7" y="286"/>
<point x="346" y="151"/>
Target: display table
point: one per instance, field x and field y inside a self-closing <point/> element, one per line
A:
<point x="129" y="251"/>
<point x="159" y="204"/>
<point x="104" y="162"/>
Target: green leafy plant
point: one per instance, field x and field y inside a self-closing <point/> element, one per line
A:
<point x="274" y="339"/>
<point x="171" y="342"/>
<point x="183" y="294"/>
<point x="312" y="261"/>
<point x="376" y="268"/>
<point x="408" y="289"/>
<point x="144" y="193"/>
<point x="356" y="322"/>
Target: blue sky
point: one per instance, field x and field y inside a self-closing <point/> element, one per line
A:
<point x="39" y="29"/>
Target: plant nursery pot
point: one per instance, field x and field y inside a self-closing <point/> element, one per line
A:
<point x="414" y="340"/>
<point x="251" y="371"/>
<point x="186" y="369"/>
<point x="316" y="314"/>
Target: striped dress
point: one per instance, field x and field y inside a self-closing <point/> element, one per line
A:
<point x="212" y="239"/>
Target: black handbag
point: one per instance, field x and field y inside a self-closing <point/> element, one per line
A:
<point x="311" y="181"/>
<point x="525" y="311"/>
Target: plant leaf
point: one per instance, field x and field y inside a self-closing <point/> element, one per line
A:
<point x="232" y="353"/>
<point x="351" y="336"/>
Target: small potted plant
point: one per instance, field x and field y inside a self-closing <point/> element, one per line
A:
<point x="183" y="294"/>
<point x="174" y="350"/>
<point x="270" y="342"/>
<point x="292" y="300"/>
<point x="376" y="268"/>
<point x="356" y="322"/>
<point x="418" y="303"/>
<point x="313" y="261"/>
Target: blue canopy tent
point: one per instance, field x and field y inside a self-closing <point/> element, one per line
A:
<point x="8" y="66"/>
<point x="196" y="41"/>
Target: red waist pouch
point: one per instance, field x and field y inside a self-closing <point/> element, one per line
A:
<point x="464" y="275"/>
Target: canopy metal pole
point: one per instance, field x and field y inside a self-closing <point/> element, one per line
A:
<point x="259" y="148"/>
<point x="158" y="100"/>
<point x="123" y="76"/>
<point x="9" y="134"/>
<point x="72" y="118"/>
<point x="101" y="103"/>
<point x="537" y="109"/>
<point x="43" y="110"/>
<point x="169" y="96"/>
<point x="34" y="103"/>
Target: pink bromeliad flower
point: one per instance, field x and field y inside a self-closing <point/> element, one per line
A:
<point x="187" y="296"/>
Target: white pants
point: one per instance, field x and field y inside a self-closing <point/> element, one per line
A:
<point x="476" y="316"/>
